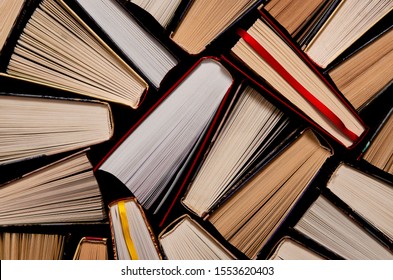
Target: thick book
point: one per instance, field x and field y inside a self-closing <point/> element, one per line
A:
<point x="293" y="15"/>
<point x="91" y="248"/>
<point x="63" y="192"/>
<point x="144" y="50"/>
<point x="205" y="20"/>
<point x="361" y="76"/>
<point x="185" y="239"/>
<point x="163" y="11"/>
<point x="57" y="49"/>
<point x="379" y="150"/>
<point x="31" y="246"/>
<point x="326" y="224"/>
<point x="152" y="153"/>
<point x="132" y="235"/>
<point x="291" y="249"/>
<point x="270" y="58"/>
<point x="251" y="132"/>
<point x="350" y="20"/>
<point x="251" y="215"/>
<point x="34" y="126"/>
<point x="365" y="194"/>
<point x="9" y="12"/>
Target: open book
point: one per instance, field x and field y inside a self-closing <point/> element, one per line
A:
<point x="151" y="154"/>
<point x="361" y="76"/>
<point x="133" y="238"/>
<point x="144" y="51"/>
<point x="379" y="152"/>
<point x="253" y="213"/>
<point x="248" y="132"/>
<point x="91" y="248"/>
<point x="350" y="20"/>
<point x="56" y="48"/>
<point x="296" y="82"/>
<point x="326" y="224"/>
<point x="204" y="20"/>
<point x="291" y="249"/>
<point x="366" y="195"/>
<point x="185" y="239"/>
<point x="35" y="126"/>
<point x="65" y="191"/>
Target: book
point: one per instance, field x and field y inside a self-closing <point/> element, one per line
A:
<point x="293" y="15"/>
<point x="250" y="216"/>
<point x="9" y="12"/>
<point x="326" y="224"/>
<point x="366" y="195"/>
<point x="153" y="151"/>
<point x="185" y="239"/>
<point x="291" y="249"/>
<point x="62" y="192"/>
<point x="77" y="61"/>
<point x="348" y="22"/>
<point x="31" y="246"/>
<point x="275" y="61"/>
<point x="132" y="234"/>
<point x="91" y="248"/>
<point x="204" y="20"/>
<point x="162" y="11"/>
<point x="248" y="132"/>
<point x="139" y="46"/>
<point x="34" y="126"/>
<point x="379" y="151"/>
<point x="356" y="76"/>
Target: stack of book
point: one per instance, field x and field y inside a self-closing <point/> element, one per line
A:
<point x="196" y="129"/>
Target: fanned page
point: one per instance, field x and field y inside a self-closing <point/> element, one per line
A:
<point x="34" y="126"/>
<point x="289" y="249"/>
<point x="251" y="127"/>
<point x="9" y="12"/>
<point x="162" y="11"/>
<point x="57" y="49"/>
<point x="380" y="151"/>
<point x="190" y="241"/>
<point x="368" y="196"/>
<point x="147" y="54"/>
<point x="351" y="20"/>
<point x="31" y="246"/>
<point x="356" y="77"/>
<point x="265" y="52"/>
<point x="133" y="239"/>
<point x="326" y="224"/>
<point x="205" y="20"/>
<point x="63" y="192"/>
<point x="155" y="150"/>
<point x="252" y="214"/>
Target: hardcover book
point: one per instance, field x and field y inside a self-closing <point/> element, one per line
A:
<point x="77" y="61"/>
<point x="133" y="238"/>
<point x="250" y="216"/>
<point x="33" y="126"/>
<point x="150" y="155"/>
<point x="295" y="82"/>
<point x="185" y="239"/>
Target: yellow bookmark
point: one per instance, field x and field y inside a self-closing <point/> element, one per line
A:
<point x="126" y="231"/>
